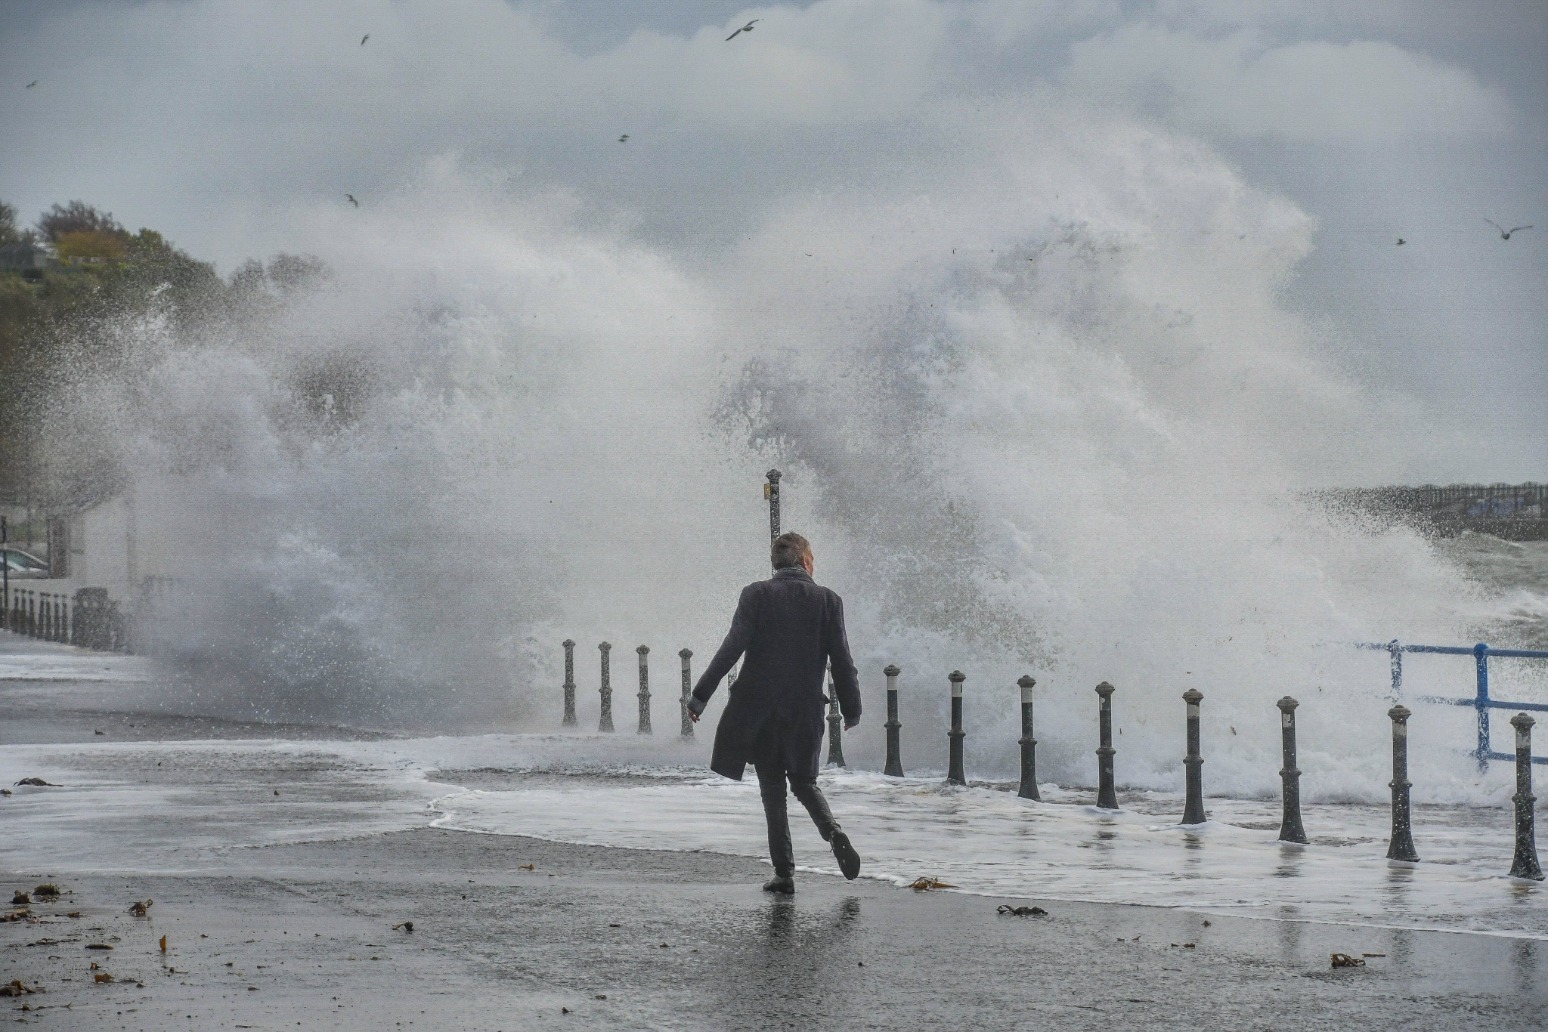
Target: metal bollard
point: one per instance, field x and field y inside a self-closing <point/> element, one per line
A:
<point x="606" y="721"/>
<point x="644" y="650"/>
<point x="1525" y="864"/>
<point x="686" y="655"/>
<point x="1107" y="796"/>
<point x="1402" y="845"/>
<point x="835" y="727"/>
<point x="771" y="492"/>
<point x="894" y="768"/>
<point x="1290" y="829"/>
<point x="1028" y="743"/>
<point x="1193" y="763"/>
<point x="955" y="775"/>
<point x="569" y="683"/>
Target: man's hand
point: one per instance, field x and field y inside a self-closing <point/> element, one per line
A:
<point x="850" y="725"/>
<point x="693" y="716"/>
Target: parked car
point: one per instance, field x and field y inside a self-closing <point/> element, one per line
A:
<point x="24" y="565"/>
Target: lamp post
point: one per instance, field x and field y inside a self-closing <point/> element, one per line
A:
<point x="771" y="492"/>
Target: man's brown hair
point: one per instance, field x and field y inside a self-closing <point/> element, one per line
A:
<point x="789" y="550"/>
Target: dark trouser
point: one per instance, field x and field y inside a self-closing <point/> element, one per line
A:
<point x="770" y="767"/>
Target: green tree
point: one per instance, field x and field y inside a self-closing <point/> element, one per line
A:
<point x="9" y="232"/>
<point x="76" y="217"/>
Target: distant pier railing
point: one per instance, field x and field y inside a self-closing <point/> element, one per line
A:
<point x="1480" y="700"/>
<point x="1515" y="512"/>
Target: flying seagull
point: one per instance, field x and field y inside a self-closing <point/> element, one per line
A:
<point x="1401" y="241"/>
<point x="1505" y="233"/>
<point x="364" y="38"/>
<point x="31" y="84"/>
<point x="624" y="138"/>
<point x="745" y="28"/>
<point x="351" y="199"/>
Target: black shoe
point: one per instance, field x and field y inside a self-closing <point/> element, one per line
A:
<point x="848" y="859"/>
<point x="781" y="883"/>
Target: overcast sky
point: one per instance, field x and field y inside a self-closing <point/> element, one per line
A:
<point x="223" y="123"/>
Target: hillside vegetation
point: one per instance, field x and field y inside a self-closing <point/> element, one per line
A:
<point x="67" y="318"/>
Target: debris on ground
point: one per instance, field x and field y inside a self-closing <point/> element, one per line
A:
<point x="48" y="890"/>
<point x="407" y="926"/>
<point x="98" y="946"/>
<point x="17" y="915"/>
<point x="1006" y="908"/>
<point x="15" y="988"/>
<point x="527" y="867"/>
<point x="138" y="909"/>
<point x="6" y="791"/>
<point x="1344" y="960"/>
<point x="163" y="944"/>
<point x="927" y="883"/>
<point x="21" y="899"/>
<point x="102" y="976"/>
<point x="1373" y="954"/>
<point x="38" y="783"/>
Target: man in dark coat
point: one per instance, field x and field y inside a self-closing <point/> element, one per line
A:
<point x="789" y="629"/>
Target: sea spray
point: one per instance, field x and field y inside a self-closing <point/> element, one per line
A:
<point x="1039" y="408"/>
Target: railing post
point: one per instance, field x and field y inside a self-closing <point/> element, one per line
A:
<point x="1290" y="829"/>
<point x="1397" y="668"/>
<point x="1401" y="846"/>
<point x="1481" y="660"/>
<point x="1525" y="864"/>
<point x="569" y="683"/>
<point x="771" y="492"/>
<point x="1193" y="763"/>
<point x="955" y="774"/>
<point x="1107" y="796"/>
<point x="605" y="723"/>
<point x="644" y="650"/>
<point x="686" y="655"/>
<point x="894" y="767"/>
<point x="1028" y="789"/>
<point x="835" y="727"/>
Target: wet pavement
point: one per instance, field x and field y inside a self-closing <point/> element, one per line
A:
<point x="633" y="939"/>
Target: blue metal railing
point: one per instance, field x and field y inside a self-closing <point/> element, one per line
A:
<point x="1480" y="700"/>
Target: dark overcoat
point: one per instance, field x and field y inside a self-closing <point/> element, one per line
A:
<point x="789" y="628"/>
